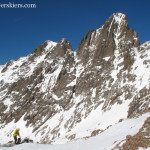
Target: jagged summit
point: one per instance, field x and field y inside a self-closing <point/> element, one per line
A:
<point x="114" y="34"/>
<point x="117" y="23"/>
<point x="56" y="95"/>
<point x="66" y="43"/>
<point x="50" y="44"/>
<point x="47" y="46"/>
<point x="119" y="18"/>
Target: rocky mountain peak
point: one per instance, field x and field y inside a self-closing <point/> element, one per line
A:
<point x="50" y="44"/>
<point x="116" y="24"/>
<point x="64" y="41"/>
<point x="47" y="46"/>
<point x="56" y="94"/>
<point x="119" y="18"/>
<point x="59" y="50"/>
<point x="114" y="34"/>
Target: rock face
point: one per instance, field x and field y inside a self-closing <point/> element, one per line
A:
<point x="57" y="94"/>
<point x="114" y="34"/>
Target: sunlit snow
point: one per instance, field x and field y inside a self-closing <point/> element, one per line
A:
<point x="103" y="141"/>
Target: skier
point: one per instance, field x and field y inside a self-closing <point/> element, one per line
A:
<point x="16" y="133"/>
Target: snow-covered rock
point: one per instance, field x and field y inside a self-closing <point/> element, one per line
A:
<point x="56" y="95"/>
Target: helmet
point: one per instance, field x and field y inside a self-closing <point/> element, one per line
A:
<point x="18" y="129"/>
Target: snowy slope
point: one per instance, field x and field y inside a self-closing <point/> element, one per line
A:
<point x="106" y="140"/>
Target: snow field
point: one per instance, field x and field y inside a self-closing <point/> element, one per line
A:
<point x="104" y="141"/>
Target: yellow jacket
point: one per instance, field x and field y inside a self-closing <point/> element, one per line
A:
<point x="16" y="133"/>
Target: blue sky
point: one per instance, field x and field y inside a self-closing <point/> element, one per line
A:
<point x="21" y="30"/>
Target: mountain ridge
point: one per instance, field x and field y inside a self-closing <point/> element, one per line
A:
<point x="55" y="92"/>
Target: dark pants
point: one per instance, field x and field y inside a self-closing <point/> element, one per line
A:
<point x="15" y="138"/>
